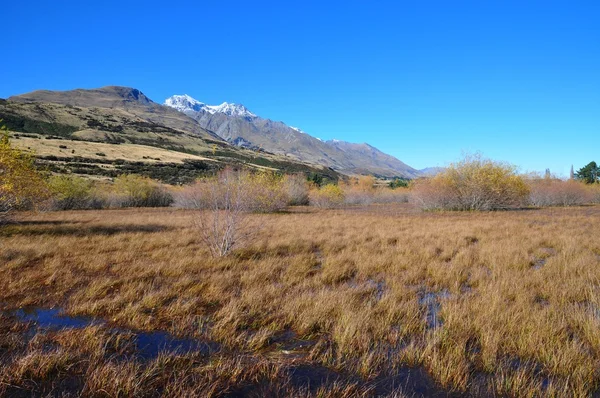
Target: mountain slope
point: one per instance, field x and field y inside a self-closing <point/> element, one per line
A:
<point x="66" y="129"/>
<point x="239" y="126"/>
<point x="124" y="99"/>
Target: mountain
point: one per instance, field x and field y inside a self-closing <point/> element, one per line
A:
<point x="431" y="171"/>
<point x="237" y="125"/>
<point x="185" y="103"/>
<point x="113" y="130"/>
<point x="121" y="99"/>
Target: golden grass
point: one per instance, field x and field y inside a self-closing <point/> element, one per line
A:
<point x="86" y="149"/>
<point x="515" y="297"/>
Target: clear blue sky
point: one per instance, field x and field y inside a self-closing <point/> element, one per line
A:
<point x="421" y="80"/>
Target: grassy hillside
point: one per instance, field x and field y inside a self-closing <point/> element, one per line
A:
<point x="107" y="142"/>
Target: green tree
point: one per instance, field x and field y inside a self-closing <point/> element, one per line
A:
<point x="590" y="173"/>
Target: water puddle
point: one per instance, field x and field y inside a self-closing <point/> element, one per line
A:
<point x="413" y="382"/>
<point x="431" y="302"/>
<point x="148" y="344"/>
<point x="538" y="263"/>
<point x="544" y="253"/>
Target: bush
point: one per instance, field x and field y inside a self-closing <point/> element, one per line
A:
<point x="70" y="192"/>
<point x="555" y="192"/>
<point x="21" y="186"/>
<point x="260" y="191"/>
<point x="472" y="184"/>
<point x="327" y="196"/>
<point x="223" y="224"/>
<point x="359" y="191"/>
<point x="296" y="187"/>
<point x="387" y="195"/>
<point x="264" y="191"/>
<point x="136" y="191"/>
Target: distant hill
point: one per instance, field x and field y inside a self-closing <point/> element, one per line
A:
<point x="112" y="130"/>
<point x="431" y="171"/>
<point x="122" y="100"/>
<point x="236" y="124"/>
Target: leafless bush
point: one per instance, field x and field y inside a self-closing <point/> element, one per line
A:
<point x="355" y="197"/>
<point x="263" y="192"/>
<point x="223" y="222"/>
<point x="387" y="195"/>
<point x="555" y="192"/>
<point x="296" y="188"/>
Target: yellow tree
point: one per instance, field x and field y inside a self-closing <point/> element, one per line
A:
<point x="20" y="183"/>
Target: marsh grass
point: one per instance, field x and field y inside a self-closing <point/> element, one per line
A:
<point x="349" y="283"/>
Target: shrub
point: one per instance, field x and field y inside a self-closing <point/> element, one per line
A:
<point x="555" y="192"/>
<point x="296" y="187"/>
<point x="359" y="191"/>
<point x="223" y="224"/>
<point x="327" y="196"/>
<point x="135" y="191"/>
<point x="70" y="192"/>
<point x="472" y="184"/>
<point x="262" y="191"/>
<point x="399" y="183"/>
<point x="387" y="195"/>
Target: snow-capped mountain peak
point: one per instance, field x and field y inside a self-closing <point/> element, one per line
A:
<point x="231" y="109"/>
<point x="297" y="129"/>
<point x="185" y="103"/>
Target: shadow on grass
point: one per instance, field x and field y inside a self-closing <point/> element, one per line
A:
<point x="39" y="222"/>
<point x="62" y="230"/>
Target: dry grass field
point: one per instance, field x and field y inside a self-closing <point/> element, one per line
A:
<point x="364" y="301"/>
<point x="90" y="150"/>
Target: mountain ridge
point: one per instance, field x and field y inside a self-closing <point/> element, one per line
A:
<point x="247" y="129"/>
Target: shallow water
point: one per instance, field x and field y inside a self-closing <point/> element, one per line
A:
<point x="148" y="344"/>
<point x="431" y="301"/>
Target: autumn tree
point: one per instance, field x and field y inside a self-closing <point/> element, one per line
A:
<point x="474" y="183"/>
<point x="20" y="183"/>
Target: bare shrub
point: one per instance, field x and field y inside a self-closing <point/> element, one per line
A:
<point x="263" y="191"/>
<point x="194" y="196"/>
<point x="472" y="184"/>
<point x="555" y="192"/>
<point x="223" y="224"/>
<point x="359" y="191"/>
<point x="595" y="193"/>
<point x="327" y="196"/>
<point x="296" y="188"/>
<point x="387" y="195"/>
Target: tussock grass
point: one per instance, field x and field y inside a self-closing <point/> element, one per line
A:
<point x="347" y="283"/>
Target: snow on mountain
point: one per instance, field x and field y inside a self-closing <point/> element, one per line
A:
<point x="185" y="103"/>
<point x="231" y="109"/>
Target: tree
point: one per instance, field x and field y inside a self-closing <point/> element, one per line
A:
<point x="547" y="174"/>
<point x="590" y="173"/>
<point x="572" y="174"/>
<point x="20" y="183"/>
<point x="398" y="183"/>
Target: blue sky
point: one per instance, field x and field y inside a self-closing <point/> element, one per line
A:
<point x="422" y="80"/>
